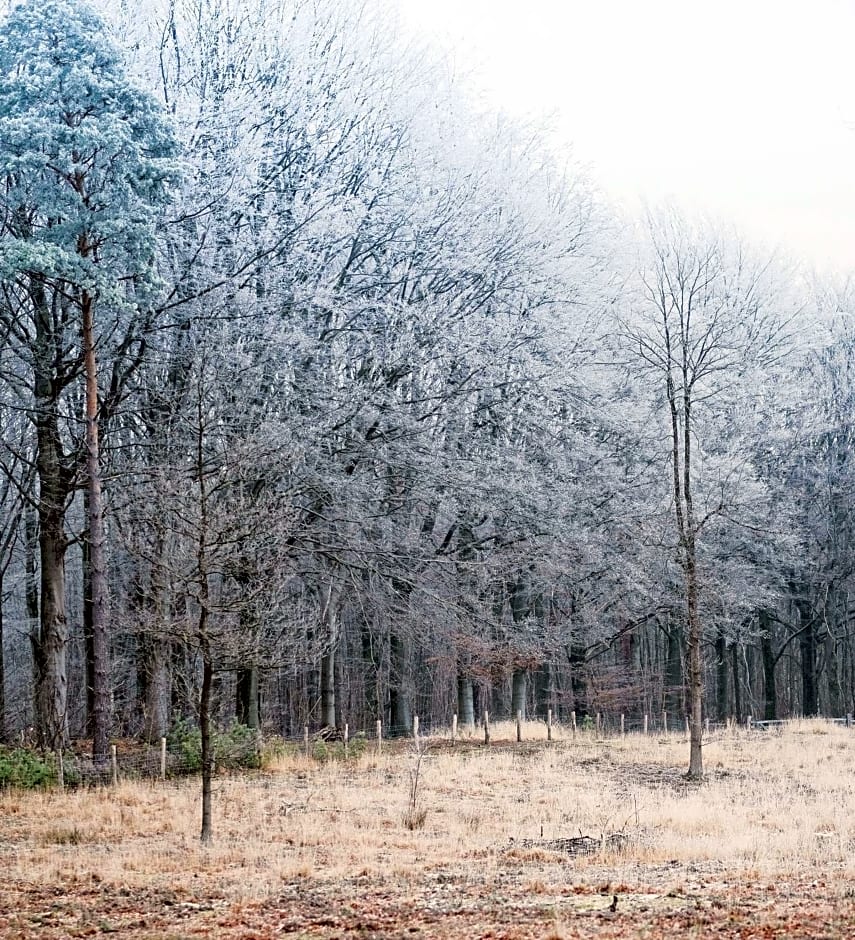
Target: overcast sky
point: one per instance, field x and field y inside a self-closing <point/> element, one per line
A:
<point x="744" y="109"/>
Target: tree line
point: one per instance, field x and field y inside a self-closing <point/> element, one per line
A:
<point x="329" y="395"/>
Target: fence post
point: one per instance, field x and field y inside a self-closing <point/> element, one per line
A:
<point x="573" y="723"/>
<point x="848" y="719"/>
<point x="665" y="721"/>
<point x="416" y="728"/>
<point x="453" y="728"/>
<point x="549" y="724"/>
<point x="748" y="722"/>
<point x="379" y="737"/>
<point x="706" y="725"/>
<point x="688" y="728"/>
<point x="599" y="724"/>
<point x="622" y="726"/>
<point x="115" y="761"/>
<point x="60" y="769"/>
<point x="306" y="739"/>
<point x="163" y="758"/>
<point x="519" y="726"/>
<point x="645" y="724"/>
<point x="486" y="727"/>
<point x="346" y="739"/>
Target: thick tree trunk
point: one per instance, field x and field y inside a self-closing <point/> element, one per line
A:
<point x="578" y="680"/>
<point x="737" y="684"/>
<point x="88" y="634"/>
<point x="808" y="649"/>
<point x="465" y="701"/>
<point x="402" y="684"/>
<point x="247" y="697"/>
<point x="328" y="711"/>
<point x="157" y="665"/>
<point x="770" y="693"/>
<point x="544" y="691"/>
<point x="722" y="696"/>
<point x="101" y="710"/>
<point x="519" y="692"/>
<point x="51" y="643"/>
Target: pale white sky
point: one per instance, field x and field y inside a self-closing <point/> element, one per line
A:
<point x="744" y="109"/>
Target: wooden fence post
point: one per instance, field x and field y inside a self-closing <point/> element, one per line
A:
<point x="163" y="758"/>
<point x="645" y="724"/>
<point x="486" y="727"/>
<point x="573" y="723"/>
<point x="379" y="736"/>
<point x="115" y="762"/>
<point x="416" y="728"/>
<point x="346" y="739"/>
<point x="622" y="727"/>
<point x="306" y="739"/>
<point x="599" y="725"/>
<point x="60" y="770"/>
<point x="706" y="725"/>
<point x="453" y="728"/>
<point x="665" y="722"/>
<point x="549" y="724"/>
<point x="749" y="722"/>
<point x="519" y="726"/>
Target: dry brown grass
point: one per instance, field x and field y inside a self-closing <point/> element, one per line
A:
<point x="775" y="809"/>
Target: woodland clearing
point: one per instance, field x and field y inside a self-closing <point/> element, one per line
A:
<point x="763" y="847"/>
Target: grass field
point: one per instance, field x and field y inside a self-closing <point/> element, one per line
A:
<point x="764" y="847"/>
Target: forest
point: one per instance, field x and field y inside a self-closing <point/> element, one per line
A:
<point x="328" y="394"/>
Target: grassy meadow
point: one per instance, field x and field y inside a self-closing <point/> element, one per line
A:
<point x="478" y="845"/>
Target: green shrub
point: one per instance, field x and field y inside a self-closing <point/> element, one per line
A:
<point x="237" y="748"/>
<point x="26" y="769"/>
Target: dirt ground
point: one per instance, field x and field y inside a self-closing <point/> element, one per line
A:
<point x="322" y="852"/>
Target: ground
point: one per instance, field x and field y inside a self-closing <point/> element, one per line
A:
<point x="764" y="847"/>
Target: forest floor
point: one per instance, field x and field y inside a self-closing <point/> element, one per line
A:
<point x="764" y="847"/>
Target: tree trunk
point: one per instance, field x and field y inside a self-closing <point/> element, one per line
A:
<point x="51" y="642"/>
<point x="770" y="710"/>
<point x="205" y="730"/>
<point x="807" y="648"/>
<point x="401" y="692"/>
<point x="88" y="634"/>
<point x="328" y="688"/>
<point x="722" y="691"/>
<point x="157" y="664"/>
<point x="674" y="696"/>
<point x="3" y="727"/>
<point x="737" y="685"/>
<point x="101" y="711"/>
<point x="247" y="697"/>
<point x="465" y="701"/>
<point x="578" y="680"/>
<point x="544" y="691"/>
<point x="519" y="692"/>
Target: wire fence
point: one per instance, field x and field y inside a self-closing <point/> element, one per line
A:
<point x="243" y="749"/>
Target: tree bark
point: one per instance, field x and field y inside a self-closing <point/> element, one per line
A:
<point x="101" y="711"/>
<point x="721" y="692"/>
<point x="157" y="664"/>
<point x="328" y="688"/>
<point x="247" y="697"/>
<point x="519" y="692"/>
<point x="465" y="701"/>
<point x="205" y="731"/>
<point x="770" y="692"/>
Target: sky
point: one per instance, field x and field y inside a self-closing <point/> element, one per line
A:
<point x="743" y="110"/>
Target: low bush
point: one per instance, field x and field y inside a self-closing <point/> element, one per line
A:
<point x="26" y="769"/>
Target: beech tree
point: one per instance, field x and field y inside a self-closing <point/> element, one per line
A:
<point x="709" y="324"/>
<point x="87" y="159"/>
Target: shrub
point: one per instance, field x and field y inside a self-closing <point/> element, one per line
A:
<point x="26" y="769"/>
<point x="237" y="748"/>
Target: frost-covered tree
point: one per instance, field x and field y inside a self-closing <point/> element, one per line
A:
<point x="87" y="158"/>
